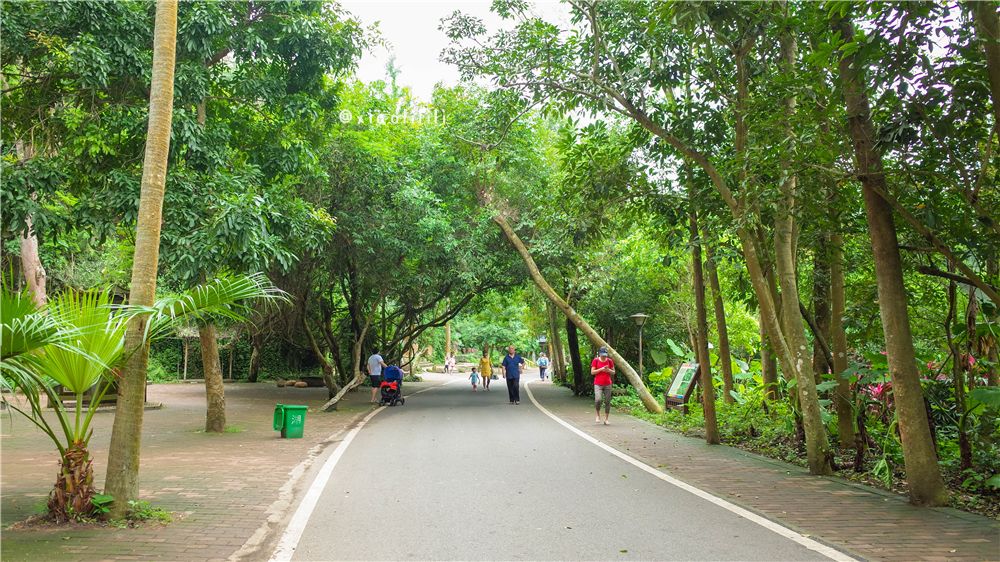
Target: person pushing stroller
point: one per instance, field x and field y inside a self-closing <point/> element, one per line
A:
<point x="392" y="386"/>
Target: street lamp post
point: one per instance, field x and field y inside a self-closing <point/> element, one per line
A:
<point x="640" y="319"/>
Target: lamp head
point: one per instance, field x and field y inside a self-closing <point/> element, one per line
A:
<point x="639" y="318"/>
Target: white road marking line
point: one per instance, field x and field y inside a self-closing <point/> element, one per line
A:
<point x="778" y="528"/>
<point x="297" y="525"/>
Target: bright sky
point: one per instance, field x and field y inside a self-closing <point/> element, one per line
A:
<point x="410" y="29"/>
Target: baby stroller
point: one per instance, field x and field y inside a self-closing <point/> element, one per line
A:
<point x="392" y="387"/>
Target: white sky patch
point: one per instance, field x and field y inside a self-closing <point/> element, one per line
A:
<point x="410" y="29"/>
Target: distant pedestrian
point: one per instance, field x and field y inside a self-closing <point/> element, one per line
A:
<point x="512" y="365"/>
<point x="486" y="368"/>
<point x="603" y="369"/>
<point x="474" y="378"/>
<point x="449" y="364"/>
<point x="375" y="365"/>
<point x="543" y="364"/>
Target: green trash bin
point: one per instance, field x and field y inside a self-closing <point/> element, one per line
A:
<point x="290" y="420"/>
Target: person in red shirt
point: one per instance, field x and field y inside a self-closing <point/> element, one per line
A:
<point x="603" y="369"/>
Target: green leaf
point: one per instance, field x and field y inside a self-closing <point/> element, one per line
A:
<point x="988" y="396"/>
<point x="658" y="356"/>
<point x="826" y="386"/>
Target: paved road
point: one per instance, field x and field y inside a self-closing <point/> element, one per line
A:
<point x="457" y="475"/>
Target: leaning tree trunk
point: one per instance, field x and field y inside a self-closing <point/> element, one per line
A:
<point x="701" y="338"/>
<point x="648" y="400"/>
<point x="838" y="337"/>
<point x="749" y="244"/>
<point x="573" y="341"/>
<point x="359" y="375"/>
<point x="123" y="454"/>
<point x="329" y="378"/>
<point x="215" y="393"/>
<point x="922" y="471"/>
<point x="725" y="358"/>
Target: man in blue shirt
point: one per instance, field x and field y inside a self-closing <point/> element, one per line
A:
<point x="512" y="365"/>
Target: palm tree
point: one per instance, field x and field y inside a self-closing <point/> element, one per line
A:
<point x="123" y="455"/>
<point x="77" y="342"/>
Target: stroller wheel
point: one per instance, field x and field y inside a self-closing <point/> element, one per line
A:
<point x="402" y="401"/>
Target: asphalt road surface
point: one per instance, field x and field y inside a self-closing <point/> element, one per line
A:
<point x="457" y="475"/>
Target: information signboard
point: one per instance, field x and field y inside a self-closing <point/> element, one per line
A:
<point x="682" y="385"/>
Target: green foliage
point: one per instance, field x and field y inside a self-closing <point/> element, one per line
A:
<point x="140" y="511"/>
<point x="659" y="381"/>
<point x="102" y="504"/>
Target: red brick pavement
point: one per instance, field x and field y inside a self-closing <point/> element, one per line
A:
<point x="220" y="488"/>
<point x="860" y="520"/>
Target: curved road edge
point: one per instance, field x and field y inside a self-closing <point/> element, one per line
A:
<point x="773" y="526"/>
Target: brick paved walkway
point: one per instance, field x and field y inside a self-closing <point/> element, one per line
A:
<point x="863" y="521"/>
<point x="220" y="488"/>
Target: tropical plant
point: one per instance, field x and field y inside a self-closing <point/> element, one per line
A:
<point x="77" y="343"/>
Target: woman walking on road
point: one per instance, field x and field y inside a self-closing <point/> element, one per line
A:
<point x="486" y="369"/>
<point x="512" y="365"/>
<point x="603" y="369"/>
<point x="543" y="363"/>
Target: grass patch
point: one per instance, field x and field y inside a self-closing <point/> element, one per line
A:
<point x="227" y="429"/>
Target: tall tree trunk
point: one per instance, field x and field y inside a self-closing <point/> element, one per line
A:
<point x="821" y="306"/>
<point x="725" y="358"/>
<point x="580" y="379"/>
<point x="256" y="349"/>
<point x="215" y="394"/>
<point x="768" y="367"/>
<point x="31" y="262"/>
<point x="187" y="346"/>
<point x="993" y="351"/>
<point x="447" y="339"/>
<point x="838" y="337"/>
<point x="984" y="13"/>
<point x="232" y="355"/>
<point x="31" y="265"/>
<point x="647" y="399"/>
<point x="957" y="376"/>
<point x="333" y="344"/>
<point x="817" y="446"/>
<point x="123" y="454"/>
<point x="922" y="472"/>
<point x="704" y="360"/>
<point x="555" y="340"/>
<point x="973" y="341"/>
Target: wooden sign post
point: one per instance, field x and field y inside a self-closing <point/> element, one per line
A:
<point x="682" y="386"/>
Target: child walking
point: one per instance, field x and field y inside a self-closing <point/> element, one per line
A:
<point x="474" y="377"/>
